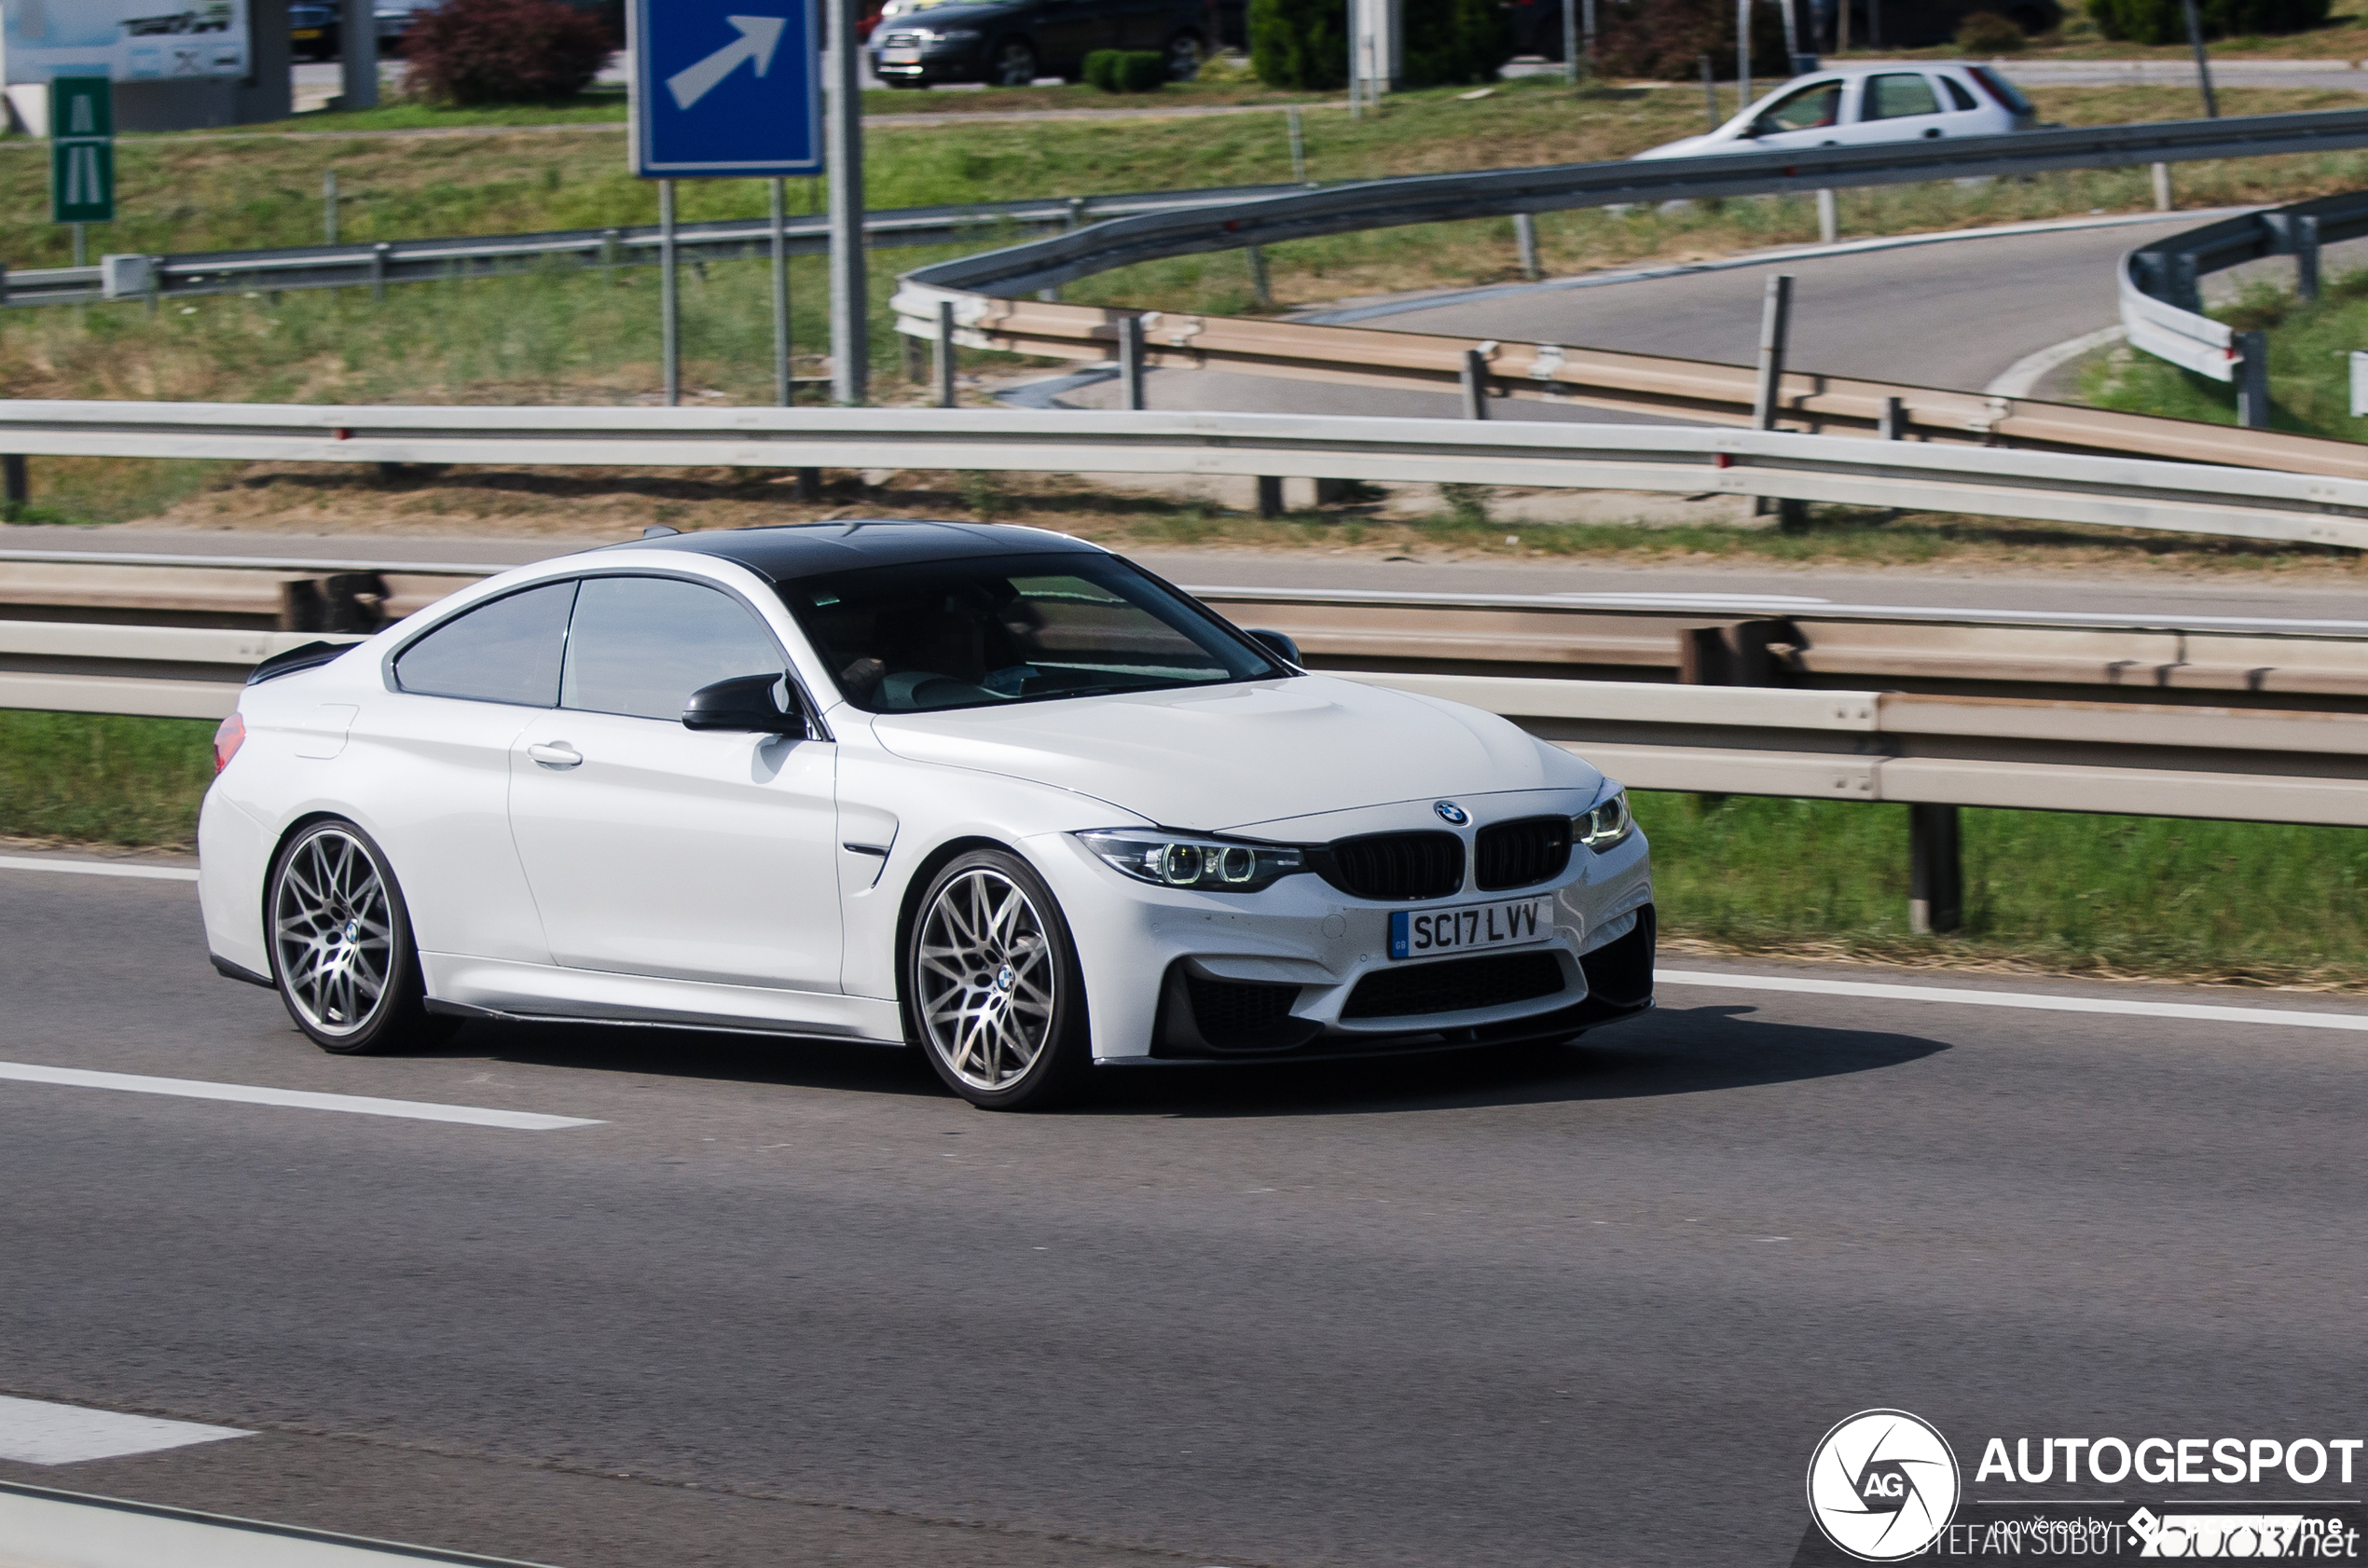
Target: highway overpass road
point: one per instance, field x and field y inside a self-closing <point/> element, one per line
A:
<point x="792" y="1306"/>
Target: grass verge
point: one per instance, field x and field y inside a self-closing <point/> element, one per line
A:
<point x="2213" y="900"/>
<point x="2309" y="363"/>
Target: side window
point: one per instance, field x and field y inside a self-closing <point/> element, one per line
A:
<point x="1816" y="105"/>
<point x="1957" y="95"/>
<point x="641" y="645"/>
<point x="1898" y="95"/>
<point x="507" y="651"/>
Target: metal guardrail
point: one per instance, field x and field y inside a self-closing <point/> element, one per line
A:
<point x="411" y="261"/>
<point x="2111" y="491"/>
<point x="2160" y="284"/>
<point x="2251" y="759"/>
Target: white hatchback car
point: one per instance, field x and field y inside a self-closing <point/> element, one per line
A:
<point x="990" y="792"/>
<point x="1857" y="104"/>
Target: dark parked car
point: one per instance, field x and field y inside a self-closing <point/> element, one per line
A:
<point x="1009" y="43"/>
<point x="313" y="30"/>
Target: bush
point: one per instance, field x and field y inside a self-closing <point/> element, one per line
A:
<point x="1299" y="44"/>
<point x="1453" y="42"/>
<point x="1663" y="41"/>
<point x="472" y="52"/>
<point x="2165" y="22"/>
<point x="1126" y="70"/>
<point x="1304" y="44"/>
<point x="1987" y="32"/>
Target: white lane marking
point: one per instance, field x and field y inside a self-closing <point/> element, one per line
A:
<point x="97" y="868"/>
<point x="37" y="1432"/>
<point x="2035" y="1001"/>
<point x="2018" y="379"/>
<point x="296" y="1099"/>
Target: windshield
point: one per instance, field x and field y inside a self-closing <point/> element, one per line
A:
<point x="1012" y="628"/>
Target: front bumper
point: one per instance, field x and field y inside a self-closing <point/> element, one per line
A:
<point x="1304" y="969"/>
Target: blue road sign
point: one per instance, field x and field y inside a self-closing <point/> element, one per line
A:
<point x="720" y="91"/>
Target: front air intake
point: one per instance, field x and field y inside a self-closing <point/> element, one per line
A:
<point x="1395" y="866"/>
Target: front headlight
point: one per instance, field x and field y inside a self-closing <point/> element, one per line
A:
<point x="1606" y="823"/>
<point x="1202" y="865"/>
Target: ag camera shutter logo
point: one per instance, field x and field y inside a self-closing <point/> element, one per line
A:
<point x="1883" y="1485"/>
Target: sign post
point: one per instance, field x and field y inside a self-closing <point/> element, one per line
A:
<point x="81" y="154"/>
<point x="721" y="94"/>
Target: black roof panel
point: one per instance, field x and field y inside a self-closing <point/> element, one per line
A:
<point x="798" y="550"/>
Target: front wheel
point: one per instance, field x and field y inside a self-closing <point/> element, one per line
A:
<point x="341" y="950"/>
<point x="992" y="993"/>
<point x="1014" y="64"/>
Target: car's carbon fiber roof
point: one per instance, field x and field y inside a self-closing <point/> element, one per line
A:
<point x="812" y="549"/>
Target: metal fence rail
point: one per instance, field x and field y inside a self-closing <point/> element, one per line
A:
<point x="2120" y="492"/>
<point x="2160" y="284"/>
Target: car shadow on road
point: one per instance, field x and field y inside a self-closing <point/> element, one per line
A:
<point x="1674" y="1051"/>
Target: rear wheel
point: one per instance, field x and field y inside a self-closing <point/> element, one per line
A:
<point x="993" y="993"/>
<point x="341" y="950"/>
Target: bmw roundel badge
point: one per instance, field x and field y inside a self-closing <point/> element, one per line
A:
<point x="1449" y="812"/>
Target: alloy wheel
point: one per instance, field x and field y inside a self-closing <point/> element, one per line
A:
<point x="986" y="980"/>
<point x="333" y="932"/>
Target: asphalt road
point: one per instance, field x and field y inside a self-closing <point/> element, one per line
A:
<point x="790" y="1306"/>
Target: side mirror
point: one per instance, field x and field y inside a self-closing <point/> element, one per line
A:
<point x="1280" y="646"/>
<point x="748" y="704"/>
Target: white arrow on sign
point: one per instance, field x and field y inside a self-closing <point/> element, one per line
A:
<point x="759" y="38"/>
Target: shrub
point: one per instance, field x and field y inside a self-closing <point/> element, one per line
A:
<point x="1126" y="70"/>
<point x="1304" y="44"/>
<point x="2165" y="22"/>
<point x="1663" y="41"/>
<point x="1453" y="42"/>
<point x="1987" y="32"/>
<point x="1299" y="44"/>
<point x="504" y="51"/>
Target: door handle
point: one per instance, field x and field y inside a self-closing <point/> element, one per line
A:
<point x="557" y="753"/>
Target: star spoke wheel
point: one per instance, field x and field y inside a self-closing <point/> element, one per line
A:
<point x="989" y="983"/>
<point x="340" y="942"/>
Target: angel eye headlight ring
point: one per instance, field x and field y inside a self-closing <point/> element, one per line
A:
<point x="1604" y="824"/>
<point x="1192" y="862"/>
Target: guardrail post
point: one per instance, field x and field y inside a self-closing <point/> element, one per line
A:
<point x="1829" y="225"/>
<point x="16" y="487"/>
<point x="942" y="358"/>
<point x="1475" y="379"/>
<point x="1262" y="289"/>
<point x="809" y="484"/>
<point x="1130" y="359"/>
<point x="1526" y="237"/>
<point x="2162" y="187"/>
<point x="2307" y="257"/>
<point x="610" y="240"/>
<point x="1775" y="326"/>
<point x="1892" y="423"/>
<point x="2253" y="380"/>
<point x="379" y="270"/>
<point x="328" y="206"/>
<point x="1270" y="496"/>
<point x="1935" y="870"/>
<point x="1710" y="93"/>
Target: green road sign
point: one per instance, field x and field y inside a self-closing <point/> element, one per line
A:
<point x="81" y="150"/>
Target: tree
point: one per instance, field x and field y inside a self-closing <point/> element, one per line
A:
<point x="506" y="51"/>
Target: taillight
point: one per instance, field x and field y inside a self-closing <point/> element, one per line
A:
<point x="229" y="736"/>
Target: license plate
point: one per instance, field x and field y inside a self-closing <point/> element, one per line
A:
<point x="306" y="33"/>
<point x="1428" y="933"/>
<point x="900" y="57"/>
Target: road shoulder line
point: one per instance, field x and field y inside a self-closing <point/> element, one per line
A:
<point x="293" y="1099"/>
<point x="2035" y="1001"/>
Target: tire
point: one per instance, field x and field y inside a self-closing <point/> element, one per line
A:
<point x="992" y="995"/>
<point x="1184" y="53"/>
<point x="1011" y="65"/>
<point x="339" y="936"/>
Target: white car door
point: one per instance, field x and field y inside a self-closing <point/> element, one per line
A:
<point x="1898" y="106"/>
<point x="1807" y="115"/>
<point x="655" y="850"/>
<point x="436" y="755"/>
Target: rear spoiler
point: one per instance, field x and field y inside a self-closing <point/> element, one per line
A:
<point x="306" y="657"/>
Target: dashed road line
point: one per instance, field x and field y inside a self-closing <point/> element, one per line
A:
<point x="293" y="1099"/>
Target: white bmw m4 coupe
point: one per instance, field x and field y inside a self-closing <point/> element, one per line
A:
<point x="991" y="792"/>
